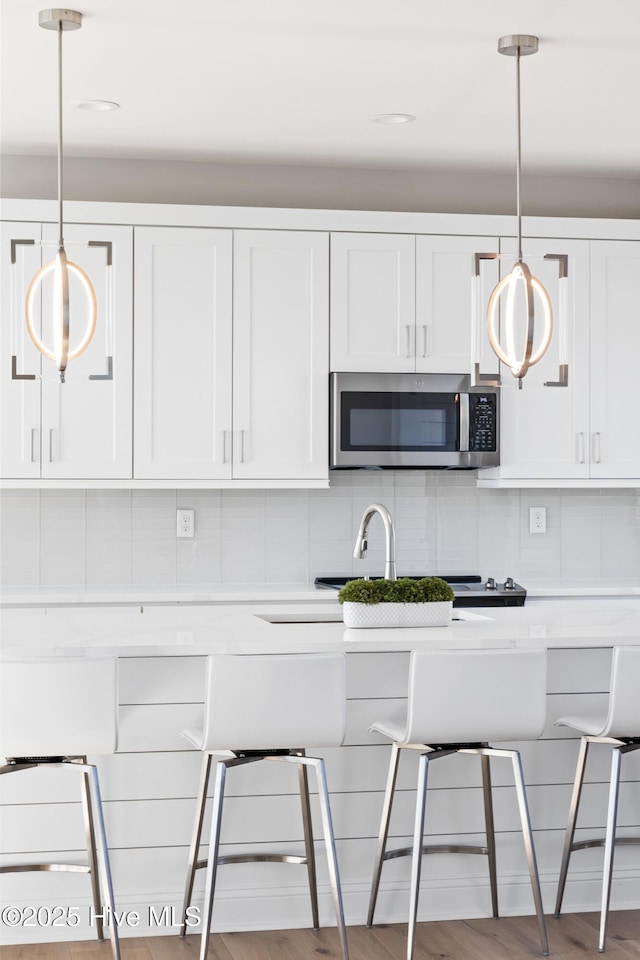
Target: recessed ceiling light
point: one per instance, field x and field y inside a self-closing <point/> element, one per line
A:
<point x="394" y="118"/>
<point x="97" y="106"/>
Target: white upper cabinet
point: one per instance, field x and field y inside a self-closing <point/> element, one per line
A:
<point x="183" y="331"/>
<point x="280" y="355"/>
<point x="231" y="354"/>
<point x="402" y="304"/>
<point x="444" y="268"/>
<point x="585" y="431"/>
<point x="373" y="302"/>
<point x="20" y="399"/>
<point x="80" y="429"/>
<point x="614" y="443"/>
<point x="545" y="430"/>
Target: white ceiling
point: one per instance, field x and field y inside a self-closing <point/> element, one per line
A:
<point x="291" y="81"/>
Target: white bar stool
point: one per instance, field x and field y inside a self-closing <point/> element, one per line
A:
<point x="458" y="701"/>
<point x="619" y="728"/>
<point x="53" y="713"/>
<point x="256" y="708"/>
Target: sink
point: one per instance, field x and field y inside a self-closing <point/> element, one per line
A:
<point x="330" y="616"/>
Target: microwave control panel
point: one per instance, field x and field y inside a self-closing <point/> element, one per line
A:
<point x="483" y="422"/>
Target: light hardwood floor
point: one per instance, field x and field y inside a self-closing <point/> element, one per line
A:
<point x="573" y="937"/>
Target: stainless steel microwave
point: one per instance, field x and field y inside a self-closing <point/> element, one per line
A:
<point x="413" y="420"/>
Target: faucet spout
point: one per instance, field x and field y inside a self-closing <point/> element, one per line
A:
<point x="360" y="549"/>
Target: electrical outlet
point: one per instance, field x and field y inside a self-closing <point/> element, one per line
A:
<point x="185" y="523"/>
<point x="537" y="519"/>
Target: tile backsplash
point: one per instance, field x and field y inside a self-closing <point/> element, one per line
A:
<point x="443" y="524"/>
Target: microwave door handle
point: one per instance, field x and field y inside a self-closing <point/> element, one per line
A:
<point x="464" y="422"/>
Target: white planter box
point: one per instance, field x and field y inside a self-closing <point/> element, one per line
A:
<point x="436" y="614"/>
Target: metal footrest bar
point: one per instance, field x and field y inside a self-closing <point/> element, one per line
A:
<point x="437" y="848"/>
<point x="255" y="858"/>
<point x="261" y="858"/>
<point x="619" y="842"/>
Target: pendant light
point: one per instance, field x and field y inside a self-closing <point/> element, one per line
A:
<point x="61" y="352"/>
<point x="520" y="286"/>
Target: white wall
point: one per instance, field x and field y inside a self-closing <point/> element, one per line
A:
<point x="338" y="188"/>
<point x="443" y="524"/>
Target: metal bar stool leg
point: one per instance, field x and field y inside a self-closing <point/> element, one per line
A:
<point x="90" y="835"/>
<point x="609" y="844"/>
<point x="330" y="844"/>
<point x="529" y="847"/>
<point x="303" y="779"/>
<point x="490" y="831"/>
<point x="384" y="829"/>
<point x="416" y="858"/>
<point x="94" y="786"/>
<point x="212" y="859"/>
<point x="195" y="839"/>
<point x="571" y="826"/>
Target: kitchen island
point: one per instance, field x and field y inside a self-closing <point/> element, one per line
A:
<point x="149" y="785"/>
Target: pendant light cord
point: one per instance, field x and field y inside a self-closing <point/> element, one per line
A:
<point x="519" y="156"/>
<point x="60" y="237"/>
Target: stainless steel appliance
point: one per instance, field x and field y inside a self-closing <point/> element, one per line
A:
<point x="470" y="589"/>
<point x="413" y="420"/>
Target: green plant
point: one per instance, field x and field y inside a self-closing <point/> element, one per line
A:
<point x="403" y="590"/>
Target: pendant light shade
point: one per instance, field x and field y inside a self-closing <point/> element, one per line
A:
<point x="62" y="312"/>
<point x="519" y="315"/>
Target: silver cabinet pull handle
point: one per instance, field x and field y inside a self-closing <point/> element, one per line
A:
<point x="425" y="331"/>
<point x="596" y="448"/>
<point x="242" y="446"/>
<point x="581" y="448"/>
<point x="51" y="432"/>
<point x="34" y="436"/>
<point x="409" y="350"/>
<point x="225" y="434"/>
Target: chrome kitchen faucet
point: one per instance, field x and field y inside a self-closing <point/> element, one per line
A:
<point x="360" y="549"/>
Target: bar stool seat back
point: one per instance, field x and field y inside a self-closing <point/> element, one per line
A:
<point x="460" y="696"/>
<point x="623" y="719"/>
<point x="58" y="707"/>
<point x="270" y="702"/>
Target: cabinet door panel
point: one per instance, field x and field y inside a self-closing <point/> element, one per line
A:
<point x="373" y="302"/>
<point x="19" y="399"/>
<point x="86" y="423"/>
<point x="280" y="355"/>
<point x="182" y="361"/>
<point x="444" y="267"/>
<point x="615" y="348"/>
<point x="545" y="430"/>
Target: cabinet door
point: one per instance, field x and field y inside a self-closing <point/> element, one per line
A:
<point x="86" y="421"/>
<point x="182" y="405"/>
<point x="444" y="267"/>
<point x="615" y="348"/>
<point x="280" y="355"/>
<point x="545" y="430"/>
<point x="19" y="399"/>
<point x="373" y="302"/>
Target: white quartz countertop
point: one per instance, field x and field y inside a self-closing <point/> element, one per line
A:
<point x="251" y="593"/>
<point x="196" y="630"/>
<point x="152" y="594"/>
